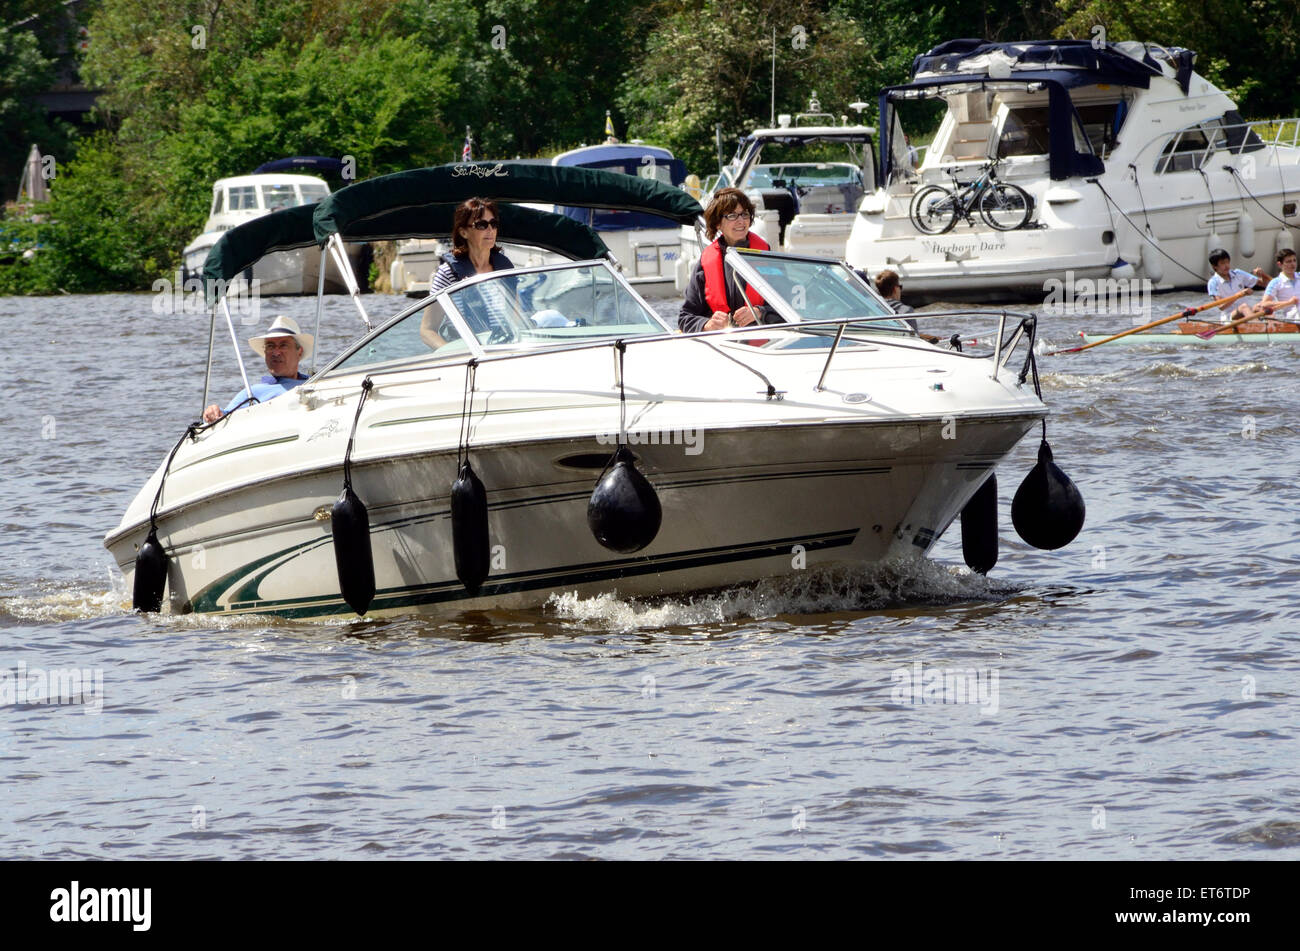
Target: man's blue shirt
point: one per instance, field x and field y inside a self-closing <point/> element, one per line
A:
<point x="268" y="388"/>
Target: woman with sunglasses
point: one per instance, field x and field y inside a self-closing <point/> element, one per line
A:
<point x="474" y="245"/>
<point x="712" y="302"/>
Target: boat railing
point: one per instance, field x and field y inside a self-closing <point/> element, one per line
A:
<point x="1191" y="148"/>
<point x="997" y="347"/>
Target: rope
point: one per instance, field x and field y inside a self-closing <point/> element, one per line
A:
<point x="466" y="408"/>
<point x="366" y="386"/>
<point x="1241" y="184"/>
<point x="1148" y="240"/>
<point x="189" y="433"/>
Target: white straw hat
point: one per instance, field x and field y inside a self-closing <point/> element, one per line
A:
<point x="283" y="326"/>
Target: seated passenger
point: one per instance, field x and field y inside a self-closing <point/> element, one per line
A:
<point x="283" y="346"/>
<point x="475" y="227"/>
<point x="1227" y="280"/>
<point x="712" y="302"/>
<point x="890" y="286"/>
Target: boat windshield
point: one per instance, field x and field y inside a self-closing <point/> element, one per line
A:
<point x="809" y="289"/>
<point x="511" y="310"/>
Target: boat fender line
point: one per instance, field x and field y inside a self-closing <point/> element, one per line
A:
<point x="151" y="560"/>
<point x="979" y="527"/>
<point x="624" y="513"/>
<point x="1214" y="240"/>
<point x="1152" y="265"/>
<point x="1048" y="510"/>
<point x="1241" y="184"/>
<point x="350" y="526"/>
<point x="469" y="510"/>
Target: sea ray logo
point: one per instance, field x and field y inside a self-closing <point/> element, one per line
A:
<point x="479" y="171"/>
<point x="103" y="904"/>
<point x="919" y="684"/>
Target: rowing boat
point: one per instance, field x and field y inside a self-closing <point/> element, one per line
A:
<point x="1252" y="331"/>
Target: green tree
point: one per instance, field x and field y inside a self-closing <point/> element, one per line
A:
<point x="32" y="34"/>
<point x="710" y="63"/>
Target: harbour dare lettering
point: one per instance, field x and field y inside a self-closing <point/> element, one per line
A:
<point x="691" y="439"/>
<point x="920" y="684"/>
<point x="103" y="904"/>
<point x="61" y="685"/>
<point x="964" y="247"/>
<point x="479" y="171"/>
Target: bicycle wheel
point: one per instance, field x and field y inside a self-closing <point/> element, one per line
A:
<point x="1006" y="207"/>
<point x="934" y="210"/>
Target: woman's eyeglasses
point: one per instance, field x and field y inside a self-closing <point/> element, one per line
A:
<point x="484" y="223"/>
<point x="739" y="216"/>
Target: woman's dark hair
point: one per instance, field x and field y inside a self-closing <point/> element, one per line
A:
<point x="724" y="202"/>
<point x="886" y="281"/>
<point x="468" y="212"/>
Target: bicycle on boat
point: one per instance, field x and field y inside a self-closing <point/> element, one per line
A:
<point x="1003" y="206"/>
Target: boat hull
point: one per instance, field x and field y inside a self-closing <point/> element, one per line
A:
<point x="753" y="503"/>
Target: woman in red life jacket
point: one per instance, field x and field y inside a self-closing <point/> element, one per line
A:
<point x="712" y="302"/>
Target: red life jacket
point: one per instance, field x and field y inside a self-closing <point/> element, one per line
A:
<point x="715" y="282"/>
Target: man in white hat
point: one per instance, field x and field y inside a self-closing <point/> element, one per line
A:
<point x="283" y="346"/>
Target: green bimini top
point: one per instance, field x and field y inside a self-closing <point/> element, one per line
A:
<point x="420" y="203"/>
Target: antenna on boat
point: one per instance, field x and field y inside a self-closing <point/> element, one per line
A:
<point x="771" y="122"/>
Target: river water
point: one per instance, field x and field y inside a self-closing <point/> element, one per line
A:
<point x="1140" y="685"/>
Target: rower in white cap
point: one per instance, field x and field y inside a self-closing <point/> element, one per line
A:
<point x="283" y="346"/>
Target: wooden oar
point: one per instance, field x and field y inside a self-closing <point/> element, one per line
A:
<point x="1189" y="312"/>
<point x="1267" y="308"/>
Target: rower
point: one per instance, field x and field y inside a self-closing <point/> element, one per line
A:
<point x="1284" y="287"/>
<point x="1227" y="280"/>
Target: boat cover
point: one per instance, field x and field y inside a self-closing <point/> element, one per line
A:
<point x="298" y="163"/>
<point x="630" y="160"/>
<point x="343" y="211"/>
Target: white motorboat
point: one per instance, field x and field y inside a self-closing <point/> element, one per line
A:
<point x="1135" y="164"/>
<point x="806" y="178"/>
<point x="245" y="197"/>
<point x="839" y="436"/>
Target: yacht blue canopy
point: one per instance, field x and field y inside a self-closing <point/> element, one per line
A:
<point x="1057" y="65"/>
<point x="630" y="160"/>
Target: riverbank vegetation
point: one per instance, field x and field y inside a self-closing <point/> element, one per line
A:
<point x="192" y="91"/>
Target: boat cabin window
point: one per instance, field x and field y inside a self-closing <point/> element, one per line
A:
<point x="243" y="197"/>
<point x="1187" y="150"/>
<point x="517" y="310"/>
<point x="1101" y="124"/>
<point x="313" y="193"/>
<point x="541" y="308"/>
<point x="217" y="201"/>
<point x="818" y="290"/>
<point x="277" y="197"/>
<point x="1025" y="132"/>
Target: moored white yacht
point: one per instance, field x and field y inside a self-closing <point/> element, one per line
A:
<point x="1137" y="167"/>
<point x="840" y="436"/>
<point x="242" y="198"/>
<point x="806" y="177"/>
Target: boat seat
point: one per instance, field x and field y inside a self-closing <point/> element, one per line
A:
<point x="783" y="202"/>
<point x="831" y="199"/>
